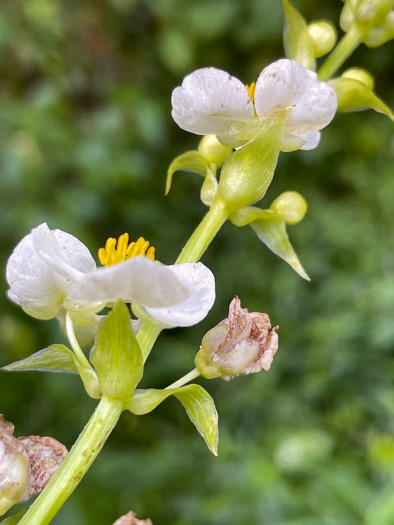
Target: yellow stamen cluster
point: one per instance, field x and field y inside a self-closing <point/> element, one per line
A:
<point x="251" y="89"/>
<point x="116" y="251"/>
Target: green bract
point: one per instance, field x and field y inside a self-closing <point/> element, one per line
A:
<point x="271" y="229"/>
<point x="248" y="172"/>
<point x="297" y="40"/>
<point x="191" y="161"/>
<point x="354" y="95"/>
<point x="197" y="402"/>
<point x="116" y="355"/>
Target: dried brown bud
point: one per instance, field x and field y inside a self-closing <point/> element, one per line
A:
<point x="45" y="457"/>
<point x="130" y="519"/>
<point x="26" y="464"/>
<point x="240" y="344"/>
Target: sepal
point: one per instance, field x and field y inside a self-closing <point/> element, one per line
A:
<point x="354" y="95"/>
<point x="271" y="230"/>
<point x="209" y="188"/>
<point x="248" y="172"/>
<point x="198" y="404"/>
<point x="13" y="520"/>
<point x="116" y="355"/>
<point x="297" y="41"/>
<point x="189" y="161"/>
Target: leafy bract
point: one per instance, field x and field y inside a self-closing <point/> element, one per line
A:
<point x="271" y="230"/>
<point x="298" y="44"/>
<point x="198" y="404"/>
<point x="354" y="95"/>
<point x="189" y="161"/>
<point x="55" y="358"/>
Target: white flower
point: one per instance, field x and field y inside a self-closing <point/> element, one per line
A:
<point x="51" y="270"/>
<point x="212" y="102"/>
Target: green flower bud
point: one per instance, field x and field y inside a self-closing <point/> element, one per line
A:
<point x="213" y="151"/>
<point x="365" y="14"/>
<point x="240" y="344"/>
<point x="291" y="206"/>
<point x="323" y="35"/>
<point x="362" y="75"/>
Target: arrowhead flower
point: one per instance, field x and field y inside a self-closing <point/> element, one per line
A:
<point x="212" y="102"/>
<point x="51" y="270"/>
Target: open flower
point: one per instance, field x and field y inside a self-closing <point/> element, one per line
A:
<point x="240" y="344"/>
<point x="212" y="102"/>
<point x="51" y="270"/>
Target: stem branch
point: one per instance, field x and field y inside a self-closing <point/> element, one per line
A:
<point x="345" y="47"/>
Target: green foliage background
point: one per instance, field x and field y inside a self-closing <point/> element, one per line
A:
<point x="85" y="140"/>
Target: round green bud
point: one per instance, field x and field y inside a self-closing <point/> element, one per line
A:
<point x="362" y="75"/>
<point x="324" y="37"/>
<point x="213" y="151"/>
<point x="371" y="13"/>
<point x="291" y="206"/>
<point x="14" y="478"/>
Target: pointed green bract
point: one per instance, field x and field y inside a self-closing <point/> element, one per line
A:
<point x="297" y="41"/>
<point x="189" y="161"/>
<point x="247" y="173"/>
<point x="198" y="404"/>
<point x="55" y="358"/>
<point x="116" y="355"/>
<point x="89" y="380"/>
<point x="271" y="230"/>
<point x="354" y="95"/>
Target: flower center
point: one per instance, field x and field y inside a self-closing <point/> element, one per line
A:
<point x="251" y="89"/>
<point x="116" y="251"/>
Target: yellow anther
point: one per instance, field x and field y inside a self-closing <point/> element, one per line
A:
<point x="251" y="89"/>
<point x="116" y="251"/>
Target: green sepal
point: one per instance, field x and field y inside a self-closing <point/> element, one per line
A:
<point x="13" y="520"/>
<point x="271" y="230"/>
<point x="198" y="404"/>
<point x="55" y="358"/>
<point x="209" y="188"/>
<point x="116" y="355"/>
<point x="247" y="173"/>
<point x="297" y="41"/>
<point x="354" y="95"/>
<point x="189" y="161"/>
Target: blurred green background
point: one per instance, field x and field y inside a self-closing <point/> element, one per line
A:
<point x="85" y="140"/>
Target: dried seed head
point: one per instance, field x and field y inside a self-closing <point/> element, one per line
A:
<point x="26" y="464"/>
<point x="240" y="344"/>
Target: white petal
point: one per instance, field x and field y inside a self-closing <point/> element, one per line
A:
<point x="33" y="282"/>
<point x="209" y="100"/>
<point x="311" y="139"/>
<point x="201" y="283"/>
<point x="139" y="280"/>
<point x="288" y="84"/>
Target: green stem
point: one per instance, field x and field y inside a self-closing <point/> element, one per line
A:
<point x="204" y="234"/>
<point x="345" y="47"/>
<point x="185" y="379"/>
<point x="76" y="464"/>
<point x="74" y="343"/>
<point x="201" y="238"/>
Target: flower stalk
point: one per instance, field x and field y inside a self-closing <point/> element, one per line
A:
<point x="345" y="47"/>
<point x="76" y="464"/>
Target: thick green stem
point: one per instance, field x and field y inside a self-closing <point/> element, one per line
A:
<point x="201" y="238"/>
<point x="345" y="47"/>
<point x="76" y="464"/>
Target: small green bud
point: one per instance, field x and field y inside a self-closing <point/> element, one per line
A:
<point x="382" y="34"/>
<point x="360" y="74"/>
<point x="213" y="151"/>
<point x="291" y="206"/>
<point x="323" y="35"/>
<point x="365" y="15"/>
<point x="240" y="344"/>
